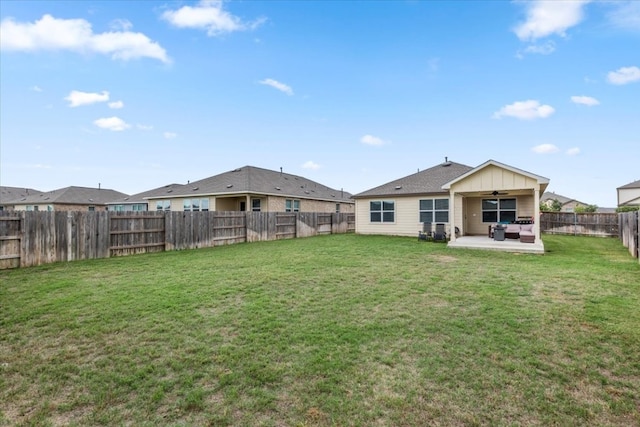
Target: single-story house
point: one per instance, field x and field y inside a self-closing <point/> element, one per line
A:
<point x="567" y="204"/>
<point x="68" y="199"/>
<point x="467" y="200"/>
<point x="8" y="195"/>
<point x="629" y="195"/>
<point x="250" y="188"/>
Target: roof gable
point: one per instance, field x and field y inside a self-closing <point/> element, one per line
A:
<point x="540" y="179"/>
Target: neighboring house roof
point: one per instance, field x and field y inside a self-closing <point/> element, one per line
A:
<point x="424" y="182"/>
<point x="71" y="196"/>
<point x="254" y="180"/>
<point x="549" y="195"/>
<point x="143" y="197"/>
<point x="540" y="179"/>
<point x="634" y="184"/>
<point x="9" y="195"/>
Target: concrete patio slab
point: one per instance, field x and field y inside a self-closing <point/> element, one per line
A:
<point x="507" y="245"/>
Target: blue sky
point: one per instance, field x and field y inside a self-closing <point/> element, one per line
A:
<point x="138" y="94"/>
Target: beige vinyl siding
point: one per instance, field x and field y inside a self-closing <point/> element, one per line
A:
<point x="407" y="216"/>
<point x="628" y="195"/>
<point x="494" y="178"/>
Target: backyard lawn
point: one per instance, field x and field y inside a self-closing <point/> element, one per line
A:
<point x="341" y="330"/>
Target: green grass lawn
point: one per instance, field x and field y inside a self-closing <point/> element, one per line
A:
<point x="340" y="330"/>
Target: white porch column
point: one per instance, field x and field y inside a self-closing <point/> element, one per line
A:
<point x="248" y="203"/>
<point x="452" y="215"/>
<point x="536" y="213"/>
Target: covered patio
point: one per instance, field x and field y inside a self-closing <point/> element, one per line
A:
<point x="507" y="245"/>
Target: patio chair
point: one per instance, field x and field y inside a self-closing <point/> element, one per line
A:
<point x="426" y="233"/>
<point x="440" y="234"/>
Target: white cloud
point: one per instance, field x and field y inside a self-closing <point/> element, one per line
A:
<point x="545" y="149"/>
<point x="624" y="75"/>
<point x="585" y="100"/>
<point x="277" y="85"/>
<point x="144" y="127"/>
<point x="573" y="151"/>
<point x="77" y="98"/>
<point x="36" y="88"/>
<point x="546" y="48"/>
<point x="121" y="25"/>
<point x="525" y="110"/>
<point x="626" y="15"/>
<point x="209" y="15"/>
<point x="372" y="140"/>
<point x="547" y="17"/>
<point x="170" y="135"/>
<point x="112" y="123"/>
<point x="49" y="33"/>
<point x="116" y="105"/>
<point x="311" y="165"/>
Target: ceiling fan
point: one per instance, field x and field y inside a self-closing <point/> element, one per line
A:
<point x="496" y="193"/>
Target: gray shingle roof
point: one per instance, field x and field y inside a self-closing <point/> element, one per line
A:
<point x="424" y="182"/>
<point x="166" y="190"/>
<point x="10" y="194"/>
<point x="634" y="184"/>
<point x="254" y="180"/>
<point x="72" y="195"/>
<point x="549" y="195"/>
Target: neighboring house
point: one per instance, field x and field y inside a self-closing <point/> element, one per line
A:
<point x="629" y="195"/>
<point x="250" y="188"/>
<point x="68" y="199"/>
<point x="8" y="195"/>
<point x="459" y="196"/>
<point x="140" y="202"/>
<point x="567" y="204"/>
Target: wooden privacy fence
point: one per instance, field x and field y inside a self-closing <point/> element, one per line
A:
<point x="630" y="231"/>
<point x="580" y="224"/>
<point x="34" y="238"/>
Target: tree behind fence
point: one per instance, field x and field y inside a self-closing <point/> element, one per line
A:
<point x="35" y="238"/>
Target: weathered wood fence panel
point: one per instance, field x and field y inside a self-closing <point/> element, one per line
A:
<point x="580" y="224"/>
<point x="10" y="236"/>
<point x="132" y="233"/>
<point x="630" y="231"/>
<point x="34" y="238"/>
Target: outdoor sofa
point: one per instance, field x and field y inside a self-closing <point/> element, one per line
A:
<point x="524" y="232"/>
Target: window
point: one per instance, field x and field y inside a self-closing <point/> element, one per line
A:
<point x="29" y="207"/>
<point x="498" y="210"/>
<point x="337" y="207"/>
<point x="92" y="208"/>
<point x="434" y="210"/>
<point x="382" y="211"/>
<point x="255" y="205"/>
<point x="163" y="205"/>
<point x="195" y="205"/>
<point x="292" y="206"/>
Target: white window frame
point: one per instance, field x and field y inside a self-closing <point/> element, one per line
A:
<point x="387" y="216"/>
<point x="435" y="211"/>
<point x="292" y="205"/>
